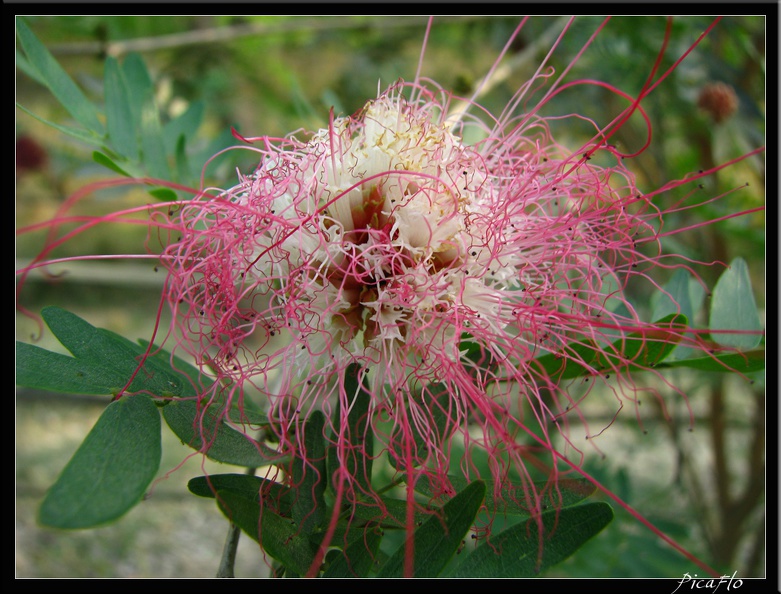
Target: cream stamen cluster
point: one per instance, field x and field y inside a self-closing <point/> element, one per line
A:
<point x="380" y="237"/>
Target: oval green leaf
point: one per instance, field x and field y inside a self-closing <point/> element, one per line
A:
<point x="511" y="499"/>
<point x="733" y="308"/>
<point x="222" y="443"/>
<point x="102" y="362"/>
<point x="680" y="295"/>
<point x="110" y="471"/>
<point x="565" y="531"/>
<point x="248" y="486"/>
<point x="358" y="457"/>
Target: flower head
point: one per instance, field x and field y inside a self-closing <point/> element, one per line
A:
<point x="441" y="270"/>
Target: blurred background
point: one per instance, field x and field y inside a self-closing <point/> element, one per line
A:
<point x="274" y="75"/>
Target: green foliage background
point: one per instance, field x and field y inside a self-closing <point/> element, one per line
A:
<point x="274" y="75"/>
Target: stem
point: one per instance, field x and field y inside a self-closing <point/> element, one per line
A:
<point x="232" y="32"/>
<point x="228" y="560"/>
<point x="389" y="486"/>
<point x="523" y="58"/>
<point x="229" y="552"/>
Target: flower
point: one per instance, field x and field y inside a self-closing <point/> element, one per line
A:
<point x="441" y="270"/>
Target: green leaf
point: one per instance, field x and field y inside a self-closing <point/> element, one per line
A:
<point x="102" y="159"/>
<point x="185" y="125"/>
<point x="57" y="80"/>
<point x="638" y="351"/>
<point x="208" y="153"/>
<point x="77" y="133"/>
<point x="23" y="64"/>
<point x="437" y="540"/>
<point x="675" y="297"/>
<point x="575" y="361"/>
<point x="280" y="538"/>
<point x="432" y="402"/>
<point x="565" y="531"/>
<point x="389" y="514"/>
<point x="146" y="116"/>
<point x="205" y="430"/>
<point x="177" y="364"/>
<point x="45" y="370"/>
<point x="357" y="559"/>
<point x="103" y="362"/>
<point x="357" y="437"/>
<point x="733" y="308"/>
<point x="163" y="194"/>
<point x="182" y="163"/>
<point x="645" y="349"/>
<point x="310" y="479"/>
<point x="681" y="295"/>
<point x="246" y="485"/>
<point x="510" y="500"/>
<point x="119" y="116"/>
<point x="747" y="362"/>
<point x="111" y="470"/>
<point x="248" y="412"/>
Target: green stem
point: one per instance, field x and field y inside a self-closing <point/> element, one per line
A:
<point x="388" y="487"/>
<point x="229" y="552"/>
<point x="228" y="560"/>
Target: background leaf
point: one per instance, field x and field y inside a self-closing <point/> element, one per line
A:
<point x="748" y="362"/>
<point x="733" y="308"/>
<point x="639" y="351"/>
<point x="57" y="80"/>
<point x="111" y="470"/>
<point x="185" y="125"/>
<point x="146" y="116"/>
<point x="681" y="295"/>
<point x="78" y="133"/>
<point x="119" y="115"/>
<point x="109" y="163"/>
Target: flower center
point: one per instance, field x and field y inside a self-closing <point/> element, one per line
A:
<point x="381" y="236"/>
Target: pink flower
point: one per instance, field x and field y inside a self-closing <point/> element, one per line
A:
<point x="441" y="270"/>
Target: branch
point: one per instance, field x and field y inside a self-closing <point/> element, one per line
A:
<point x="228" y="560"/>
<point x="527" y="56"/>
<point x="233" y="32"/>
